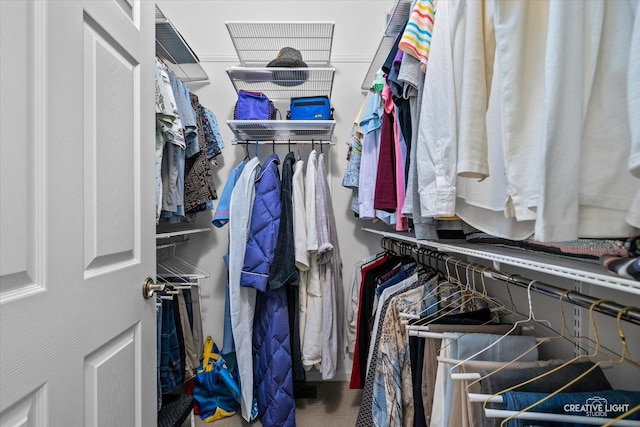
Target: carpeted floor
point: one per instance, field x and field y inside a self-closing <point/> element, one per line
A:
<point x="334" y="406"/>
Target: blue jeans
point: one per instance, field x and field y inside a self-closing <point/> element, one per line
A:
<point x="170" y="363"/>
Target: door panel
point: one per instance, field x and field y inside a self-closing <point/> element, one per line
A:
<point x="111" y="78"/>
<point x="77" y="213"/>
<point x="20" y="158"/>
<point x="108" y="370"/>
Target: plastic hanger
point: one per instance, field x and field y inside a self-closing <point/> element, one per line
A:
<point x="423" y="330"/>
<point x="246" y="151"/>
<point x="445" y="306"/>
<point x="466" y="295"/>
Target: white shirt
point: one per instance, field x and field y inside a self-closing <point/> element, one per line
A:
<point x="436" y="150"/>
<point x="520" y="28"/>
<point x="586" y="109"/>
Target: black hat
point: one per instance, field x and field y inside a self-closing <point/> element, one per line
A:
<point x="288" y="57"/>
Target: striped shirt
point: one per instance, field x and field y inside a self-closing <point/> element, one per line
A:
<point x="416" y="38"/>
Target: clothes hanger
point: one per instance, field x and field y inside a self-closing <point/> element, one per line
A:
<point x="418" y="253"/>
<point x="530" y="317"/>
<point x="180" y="267"/>
<point x="246" y="151"/>
<point x="476" y="377"/>
<point x="448" y="283"/>
<point x="386" y="244"/>
<point x="498" y="398"/>
<point x="499" y="307"/>
<point x="423" y="330"/>
<point x="467" y="294"/>
<point x="442" y="310"/>
<point x="625" y="351"/>
<point x="621" y="417"/>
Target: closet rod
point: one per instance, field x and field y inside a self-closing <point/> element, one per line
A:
<point x="607" y="307"/>
<point x="285" y="142"/>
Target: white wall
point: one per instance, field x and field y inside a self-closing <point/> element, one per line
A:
<point x="358" y="29"/>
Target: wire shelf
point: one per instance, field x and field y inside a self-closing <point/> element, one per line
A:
<point x="397" y="18"/>
<point x="381" y="54"/>
<point x="560" y="267"/>
<point x="283" y="83"/>
<point x="282" y="130"/>
<point x="176" y="52"/>
<point x="257" y="43"/>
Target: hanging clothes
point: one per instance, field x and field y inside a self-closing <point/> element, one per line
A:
<point x="220" y="219"/>
<point x="312" y="339"/>
<point x="367" y="292"/>
<point x="242" y="299"/>
<point x="271" y="342"/>
<point x="283" y="271"/>
<point x="330" y="263"/>
<point x="199" y="187"/>
<point x="300" y="246"/>
<point x="370" y="123"/>
<point x="366" y="413"/>
<point x="173" y="155"/>
<point x="385" y="197"/>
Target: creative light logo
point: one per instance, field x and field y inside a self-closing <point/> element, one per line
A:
<point x="596" y="406"/>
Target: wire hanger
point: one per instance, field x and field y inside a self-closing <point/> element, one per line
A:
<point x="616" y="420"/>
<point x="513" y="328"/>
<point x="477" y="377"/>
<point x="623" y="353"/>
<point x="176" y="266"/>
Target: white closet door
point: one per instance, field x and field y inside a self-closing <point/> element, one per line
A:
<point x="77" y="339"/>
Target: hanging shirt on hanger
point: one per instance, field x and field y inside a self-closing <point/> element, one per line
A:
<point x="242" y="299"/>
<point x="312" y="343"/>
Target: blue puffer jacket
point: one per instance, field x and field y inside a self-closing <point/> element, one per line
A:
<point x="263" y="229"/>
<point x="272" y="366"/>
<point x="271" y="347"/>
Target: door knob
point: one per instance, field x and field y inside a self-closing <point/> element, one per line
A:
<point x="149" y="287"/>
